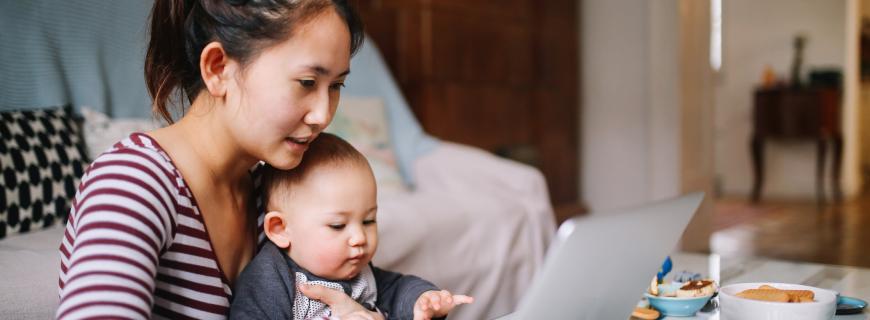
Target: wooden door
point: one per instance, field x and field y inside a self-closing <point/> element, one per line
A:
<point x="499" y="75"/>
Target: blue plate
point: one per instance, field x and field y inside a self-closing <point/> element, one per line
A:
<point x="849" y="305"/>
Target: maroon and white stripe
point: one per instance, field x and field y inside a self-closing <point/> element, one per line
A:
<point x="135" y="245"/>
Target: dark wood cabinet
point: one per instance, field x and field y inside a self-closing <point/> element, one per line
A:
<point x="498" y="75"/>
<point x="794" y="114"/>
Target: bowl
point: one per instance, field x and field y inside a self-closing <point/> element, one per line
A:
<point x="732" y="307"/>
<point x="673" y="306"/>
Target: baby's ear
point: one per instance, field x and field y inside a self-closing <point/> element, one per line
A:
<point x="275" y="227"/>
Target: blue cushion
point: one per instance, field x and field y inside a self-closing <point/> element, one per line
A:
<point x="370" y="77"/>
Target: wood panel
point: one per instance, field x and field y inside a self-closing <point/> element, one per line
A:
<point x="494" y="74"/>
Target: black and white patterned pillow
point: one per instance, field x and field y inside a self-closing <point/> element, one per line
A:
<point x="42" y="158"/>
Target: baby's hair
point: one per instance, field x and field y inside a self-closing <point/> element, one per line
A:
<point x="326" y="150"/>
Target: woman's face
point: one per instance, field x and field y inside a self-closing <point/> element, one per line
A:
<point x="288" y="94"/>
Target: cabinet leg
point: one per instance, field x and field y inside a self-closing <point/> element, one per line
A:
<point x="838" y="158"/>
<point x="820" y="171"/>
<point x="756" y="146"/>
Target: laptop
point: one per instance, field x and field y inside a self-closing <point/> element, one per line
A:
<point x="600" y="265"/>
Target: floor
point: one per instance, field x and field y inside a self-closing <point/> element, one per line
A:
<point x="794" y="230"/>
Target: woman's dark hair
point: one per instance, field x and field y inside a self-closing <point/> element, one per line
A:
<point x="180" y="29"/>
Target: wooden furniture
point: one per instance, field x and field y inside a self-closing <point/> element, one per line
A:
<point x="499" y="75"/>
<point x="807" y="113"/>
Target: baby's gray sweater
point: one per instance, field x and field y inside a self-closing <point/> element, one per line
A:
<point x="266" y="289"/>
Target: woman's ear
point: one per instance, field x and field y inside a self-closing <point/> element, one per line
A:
<point x="214" y="67"/>
<point x="275" y="227"/>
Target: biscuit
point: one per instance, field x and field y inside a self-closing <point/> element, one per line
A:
<point x="800" y="295"/>
<point x="654" y="286"/>
<point x="793" y="295"/>
<point x="772" y="295"/>
<point x="645" y="313"/>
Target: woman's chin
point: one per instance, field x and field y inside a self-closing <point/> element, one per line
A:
<point x="286" y="162"/>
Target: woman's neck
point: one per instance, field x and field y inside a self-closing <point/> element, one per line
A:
<point x="204" y="139"/>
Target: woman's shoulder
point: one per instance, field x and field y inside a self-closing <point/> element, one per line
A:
<point x="137" y="153"/>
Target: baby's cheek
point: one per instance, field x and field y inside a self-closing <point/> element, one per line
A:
<point x="330" y="257"/>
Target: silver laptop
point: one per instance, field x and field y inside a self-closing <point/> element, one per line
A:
<point x="600" y="265"/>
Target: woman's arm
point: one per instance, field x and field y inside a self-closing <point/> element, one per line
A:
<point x="122" y="219"/>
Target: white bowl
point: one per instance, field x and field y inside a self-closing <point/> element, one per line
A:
<point x="732" y="307"/>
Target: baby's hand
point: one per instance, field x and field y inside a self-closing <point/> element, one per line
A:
<point x="433" y="304"/>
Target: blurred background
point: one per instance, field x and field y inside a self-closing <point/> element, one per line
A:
<point x="763" y="104"/>
<point x="618" y="103"/>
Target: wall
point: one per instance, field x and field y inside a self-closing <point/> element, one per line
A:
<point x="632" y="109"/>
<point x="757" y="33"/>
<point x="615" y="111"/>
<point x="646" y="94"/>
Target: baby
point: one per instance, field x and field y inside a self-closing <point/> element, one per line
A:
<point x="321" y="221"/>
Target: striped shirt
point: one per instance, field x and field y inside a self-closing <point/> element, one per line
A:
<point x="135" y="245"/>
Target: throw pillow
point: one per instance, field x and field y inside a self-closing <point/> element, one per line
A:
<point x="42" y="159"/>
<point x="101" y="132"/>
<point x="363" y="123"/>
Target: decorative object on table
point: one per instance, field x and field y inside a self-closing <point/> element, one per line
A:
<point x="797" y="62"/>
<point x="768" y="78"/>
<point x="734" y="307"/>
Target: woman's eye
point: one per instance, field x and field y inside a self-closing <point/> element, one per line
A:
<point x="336" y="226"/>
<point x="307" y="83"/>
<point x="368" y="222"/>
<point x="336" y="86"/>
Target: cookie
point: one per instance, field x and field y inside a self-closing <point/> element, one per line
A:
<point x="645" y="313"/>
<point x="773" y="295"/>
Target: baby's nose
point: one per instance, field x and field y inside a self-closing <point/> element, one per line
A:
<point x="357" y="239"/>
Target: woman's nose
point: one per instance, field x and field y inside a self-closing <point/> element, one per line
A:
<point x="319" y="115"/>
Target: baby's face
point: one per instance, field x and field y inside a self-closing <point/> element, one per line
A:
<point x="331" y="220"/>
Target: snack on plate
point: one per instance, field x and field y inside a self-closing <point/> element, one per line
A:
<point x="654" y="286"/>
<point x="770" y="293"/>
<point x="645" y="313"/>
<point x="699" y="288"/>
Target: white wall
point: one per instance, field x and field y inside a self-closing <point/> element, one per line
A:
<point x="646" y="105"/>
<point x="630" y="116"/>
<point x="757" y="33"/>
<point x="615" y="103"/>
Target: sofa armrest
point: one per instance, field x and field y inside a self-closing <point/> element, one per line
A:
<point x="454" y="167"/>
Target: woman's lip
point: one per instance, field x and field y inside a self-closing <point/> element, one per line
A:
<point x="296" y="146"/>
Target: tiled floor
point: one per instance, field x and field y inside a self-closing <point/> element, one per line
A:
<point x="798" y="231"/>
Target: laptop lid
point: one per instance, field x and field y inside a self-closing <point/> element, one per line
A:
<point x="600" y="265"/>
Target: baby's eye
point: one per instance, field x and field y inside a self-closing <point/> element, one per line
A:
<point x="336" y="86"/>
<point x="337" y="226"/>
<point x="368" y="222"/>
<point x="307" y="83"/>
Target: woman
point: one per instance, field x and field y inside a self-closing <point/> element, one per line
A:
<point x="164" y="222"/>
